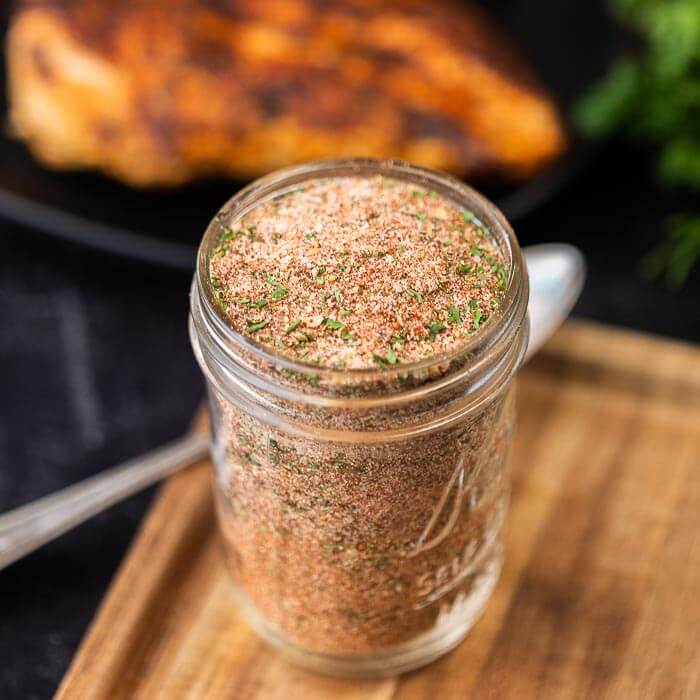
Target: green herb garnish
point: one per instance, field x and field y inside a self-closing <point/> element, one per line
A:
<point x="396" y="342"/>
<point x="335" y="325"/>
<point x="500" y="273"/>
<point x="293" y="325"/>
<point x="274" y="451"/>
<point x="436" y="328"/>
<point x="455" y="314"/>
<point x="346" y="335"/>
<point x="418" y="296"/>
<point x="381" y="361"/>
<point x="216" y="285"/>
<point x="279" y="291"/>
<point x="223" y="248"/>
<point x="252" y="327"/>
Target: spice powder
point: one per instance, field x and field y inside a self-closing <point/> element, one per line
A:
<point x="353" y="547"/>
<point x="358" y="272"/>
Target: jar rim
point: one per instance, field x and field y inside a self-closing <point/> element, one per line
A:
<point x="511" y="309"/>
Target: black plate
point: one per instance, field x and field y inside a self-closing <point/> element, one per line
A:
<point x="569" y="44"/>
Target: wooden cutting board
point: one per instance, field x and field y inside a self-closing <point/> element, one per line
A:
<point x="599" y="597"/>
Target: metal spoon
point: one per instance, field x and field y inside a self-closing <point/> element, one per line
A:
<point x="557" y="273"/>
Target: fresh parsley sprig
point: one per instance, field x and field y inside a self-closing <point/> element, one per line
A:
<point x="654" y="98"/>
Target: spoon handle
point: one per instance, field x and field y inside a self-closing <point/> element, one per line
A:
<point x="26" y="528"/>
<point x="557" y="273"/>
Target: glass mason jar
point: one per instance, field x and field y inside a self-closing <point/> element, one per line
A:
<point x="362" y="510"/>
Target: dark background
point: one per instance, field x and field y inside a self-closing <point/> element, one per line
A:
<point x="95" y="367"/>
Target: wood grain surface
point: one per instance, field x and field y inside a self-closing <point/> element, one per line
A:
<point x="599" y="597"/>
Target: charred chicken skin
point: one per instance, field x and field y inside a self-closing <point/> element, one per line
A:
<point x="160" y="92"/>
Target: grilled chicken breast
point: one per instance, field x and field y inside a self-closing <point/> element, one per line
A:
<point x="159" y="92"/>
